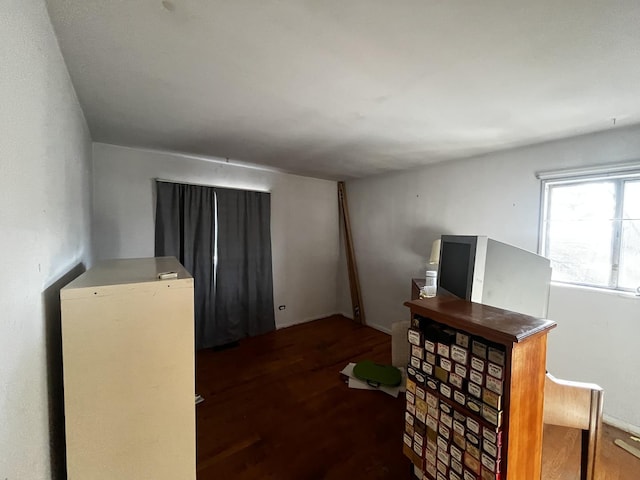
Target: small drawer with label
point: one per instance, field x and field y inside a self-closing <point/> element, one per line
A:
<point x="444" y="350"/>
<point x="459" y="440"/>
<point x="456" y="466"/>
<point x="474" y="389"/>
<point x="469" y="475"/>
<point x="490" y="448"/>
<point x="409" y="429"/>
<point x="490" y="463"/>
<point x="444" y="457"/>
<point x="472" y="463"/>
<point x="473" y="450"/>
<point x="479" y="348"/>
<point x="463" y="339"/>
<point x="474" y="405"/>
<point x="492" y="399"/>
<point x="474" y="427"/>
<point x="446" y="390"/>
<point x="486" y="474"/>
<point x="494" y="385"/>
<point x="491" y="415"/>
<point x="443" y="444"/>
<point x="442" y="374"/>
<point x="459" y="354"/>
<point x="459" y="397"/>
<point x="421" y="410"/>
<point x="419" y="449"/>
<point x="497" y="355"/>
<point x="415" y="362"/>
<point x="456" y="453"/>
<point x="446" y="364"/>
<point x="476" y="377"/>
<point x="447" y="420"/>
<point x="459" y="427"/>
<point x="495" y="370"/>
<point x="409" y="418"/>
<point x="417" y="351"/>
<point x="427" y="368"/>
<point x="461" y="370"/>
<point x="414" y="336"/>
<point x="432" y="423"/>
<point x="444" y="431"/>
<point x="433" y="383"/>
<point x="478" y="364"/>
<point x="493" y="435"/>
<point x="430" y="358"/>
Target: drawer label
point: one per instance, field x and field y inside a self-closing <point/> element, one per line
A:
<point x="494" y="370"/>
<point x="445" y="390"/>
<point x="414" y="337"/>
<point x="443" y="350"/>
<point x="411" y="398"/>
<point x="415" y="362"/>
<point x="430" y="346"/>
<point x="455" y="380"/>
<point x="473" y="426"/>
<point x="494" y="385"/>
<point x="445" y="363"/>
<point x="475" y="390"/>
<point x="459" y="397"/>
<point x="496" y="356"/>
<point x="460" y="370"/>
<point x="462" y="339"/>
<point x="477" y="364"/>
<point x="476" y="377"/>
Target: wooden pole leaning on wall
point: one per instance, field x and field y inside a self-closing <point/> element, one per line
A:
<point x="354" y="283"/>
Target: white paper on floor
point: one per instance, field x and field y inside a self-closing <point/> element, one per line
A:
<point x="358" y="384"/>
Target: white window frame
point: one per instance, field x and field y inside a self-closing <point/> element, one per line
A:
<point x="618" y="173"/>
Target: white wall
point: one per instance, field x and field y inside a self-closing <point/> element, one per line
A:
<point x="304" y="220"/>
<point x="396" y="217"/>
<point x="45" y="153"/>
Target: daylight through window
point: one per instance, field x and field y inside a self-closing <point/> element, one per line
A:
<point x="591" y="229"/>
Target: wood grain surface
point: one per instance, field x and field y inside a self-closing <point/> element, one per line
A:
<point x="275" y="408"/>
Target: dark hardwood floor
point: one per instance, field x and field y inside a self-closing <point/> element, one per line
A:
<point x="276" y="408"/>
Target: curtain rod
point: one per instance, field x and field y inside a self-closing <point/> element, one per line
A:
<point x="211" y="186"/>
<point x="596" y="170"/>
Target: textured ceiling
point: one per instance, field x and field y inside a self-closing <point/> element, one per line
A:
<point x="341" y="89"/>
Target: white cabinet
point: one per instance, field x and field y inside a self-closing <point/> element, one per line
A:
<point x="129" y="372"/>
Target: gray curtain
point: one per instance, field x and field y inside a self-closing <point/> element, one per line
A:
<point x="235" y="298"/>
<point x="244" y="287"/>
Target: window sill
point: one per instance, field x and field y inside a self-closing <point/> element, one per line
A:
<point x="602" y="291"/>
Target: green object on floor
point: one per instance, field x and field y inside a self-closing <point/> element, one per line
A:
<point x="376" y="375"/>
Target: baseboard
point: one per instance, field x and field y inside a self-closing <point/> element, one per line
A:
<point x="306" y="320"/>
<point x="622" y="425"/>
<point x="380" y="328"/>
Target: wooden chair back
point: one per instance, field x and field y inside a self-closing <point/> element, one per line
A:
<point x="576" y="405"/>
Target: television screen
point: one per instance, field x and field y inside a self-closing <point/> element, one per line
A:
<point x="456" y="267"/>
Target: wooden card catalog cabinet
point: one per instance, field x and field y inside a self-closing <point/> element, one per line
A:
<point x="475" y="391"/>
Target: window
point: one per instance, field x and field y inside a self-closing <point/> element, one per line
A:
<point x="591" y="227"/>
